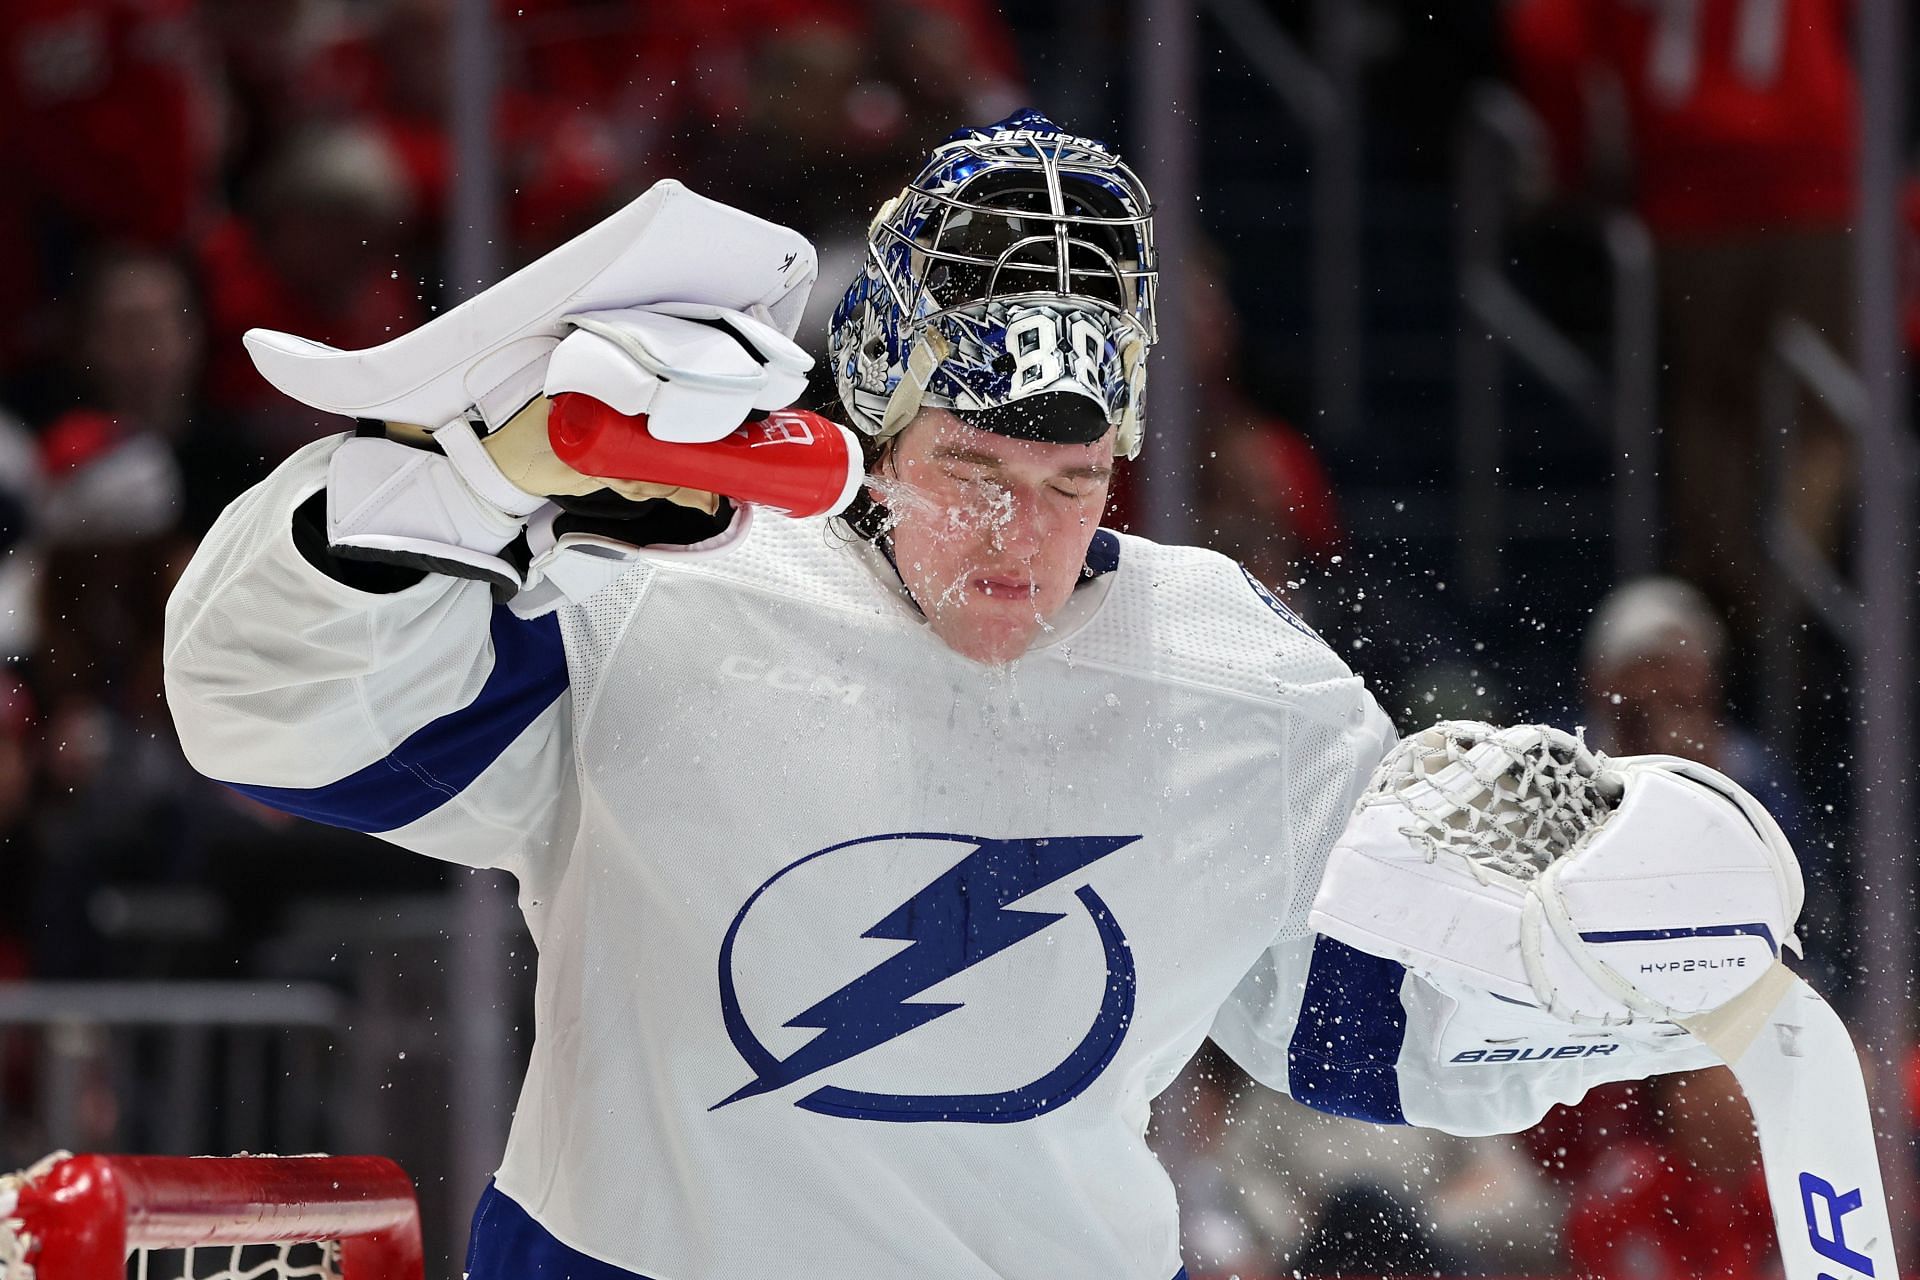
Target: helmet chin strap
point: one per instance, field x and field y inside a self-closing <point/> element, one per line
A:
<point x="1133" y="358"/>
<point x="929" y="350"/>
<point x="881" y="214"/>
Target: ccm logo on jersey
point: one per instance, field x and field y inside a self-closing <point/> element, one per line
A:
<point x="1599" y="1050"/>
<point x="932" y="1011"/>
<point x="789" y="679"/>
<point x="1816" y="1193"/>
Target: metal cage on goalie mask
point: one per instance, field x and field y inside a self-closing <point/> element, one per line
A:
<point x="1019" y="262"/>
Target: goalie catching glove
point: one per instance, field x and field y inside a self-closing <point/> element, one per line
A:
<point x="1603" y="891"/>
<point x="1644" y="896"/>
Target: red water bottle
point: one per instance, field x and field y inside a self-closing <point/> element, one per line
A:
<point x="791" y="460"/>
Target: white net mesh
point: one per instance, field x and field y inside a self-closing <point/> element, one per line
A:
<point x="316" y="1260"/>
<point x="209" y="1218"/>
<point x="1507" y="801"/>
<point x="319" y="1260"/>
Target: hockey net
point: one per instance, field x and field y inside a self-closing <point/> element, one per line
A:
<point x="97" y="1217"/>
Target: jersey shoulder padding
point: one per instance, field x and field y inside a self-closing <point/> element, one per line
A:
<point x="1194" y="616"/>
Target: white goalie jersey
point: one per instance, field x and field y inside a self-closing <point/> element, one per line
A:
<point x="856" y="957"/>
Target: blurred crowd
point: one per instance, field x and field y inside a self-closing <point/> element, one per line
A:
<point x="183" y="170"/>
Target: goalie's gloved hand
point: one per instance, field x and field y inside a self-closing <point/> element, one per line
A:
<point x="1604" y="891"/>
<point x="433" y="494"/>
<point x="448" y="501"/>
<point x="440" y="501"/>
<point x="685" y="373"/>
<point x="488" y="357"/>
<point x="426" y="500"/>
<point x="654" y="401"/>
<point x="696" y="371"/>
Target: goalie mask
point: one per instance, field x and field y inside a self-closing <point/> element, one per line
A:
<point x="1012" y="282"/>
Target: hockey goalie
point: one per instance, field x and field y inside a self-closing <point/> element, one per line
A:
<point x="891" y="832"/>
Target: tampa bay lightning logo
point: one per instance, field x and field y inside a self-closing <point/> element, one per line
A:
<point x="962" y="918"/>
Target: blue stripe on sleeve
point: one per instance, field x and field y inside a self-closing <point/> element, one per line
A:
<point x="1345" y="1048"/>
<point x="441" y="759"/>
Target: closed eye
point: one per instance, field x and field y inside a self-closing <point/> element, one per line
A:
<point x="975" y="478"/>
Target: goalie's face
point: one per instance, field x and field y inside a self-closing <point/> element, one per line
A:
<point x="990" y="533"/>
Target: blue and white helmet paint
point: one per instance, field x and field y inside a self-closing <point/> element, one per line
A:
<point x="1012" y="282"/>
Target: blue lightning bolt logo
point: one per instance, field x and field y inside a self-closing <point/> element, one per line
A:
<point x="963" y="917"/>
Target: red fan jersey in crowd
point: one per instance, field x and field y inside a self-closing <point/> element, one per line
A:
<point x="1641" y="1214"/>
<point x="104" y="108"/>
<point x="1741" y="114"/>
<point x="555" y="141"/>
<point x="107" y="124"/>
<point x="245" y="288"/>
<point x="1569" y="1141"/>
<point x="1284" y="483"/>
<point x="1910" y="262"/>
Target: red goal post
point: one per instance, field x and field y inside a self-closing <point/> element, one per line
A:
<point x="83" y="1217"/>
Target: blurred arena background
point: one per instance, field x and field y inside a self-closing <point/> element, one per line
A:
<point x="1549" y="355"/>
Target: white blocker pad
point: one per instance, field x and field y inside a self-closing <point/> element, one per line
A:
<point x="696" y="371"/>
<point x="490" y="352"/>
<point x="1604" y="891"/>
<point x="1679" y="902"/>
